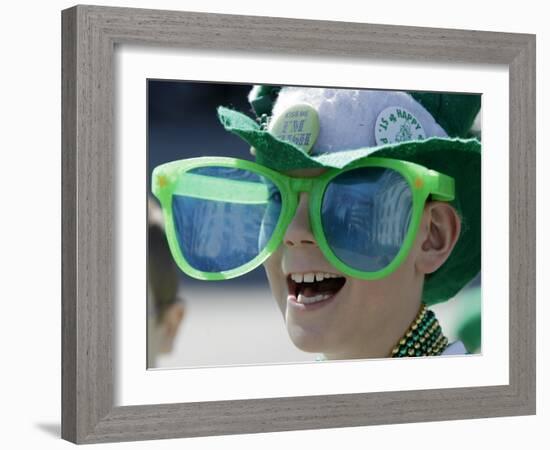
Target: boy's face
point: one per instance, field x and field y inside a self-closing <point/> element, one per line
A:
<point x="358" y="319"/>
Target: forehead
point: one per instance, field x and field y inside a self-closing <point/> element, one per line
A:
<point x="305" y="173"/>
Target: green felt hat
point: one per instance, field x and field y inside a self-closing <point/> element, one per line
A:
<point x="301" y="128"/>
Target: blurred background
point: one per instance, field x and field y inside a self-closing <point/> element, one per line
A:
<point x="193" y="323"/>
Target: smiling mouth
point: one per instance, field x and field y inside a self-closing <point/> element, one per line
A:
<point x="314" y="287"/>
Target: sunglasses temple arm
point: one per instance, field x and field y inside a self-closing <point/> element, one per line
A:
<point x="443" y="187"/>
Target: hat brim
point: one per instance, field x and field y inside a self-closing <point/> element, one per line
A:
<point x="458" y="158"/>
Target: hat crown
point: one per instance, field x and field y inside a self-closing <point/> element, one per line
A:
<point x="352" y="119"/>
<point x="453" y="112"/>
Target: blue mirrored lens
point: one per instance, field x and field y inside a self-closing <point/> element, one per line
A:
<point x="223" y="216"/>
<point x="366" y="214"/>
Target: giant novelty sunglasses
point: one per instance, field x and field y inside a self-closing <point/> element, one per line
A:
<point x="225" y="216"/>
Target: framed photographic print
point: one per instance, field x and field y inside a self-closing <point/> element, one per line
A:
<point x="245" y="208"/>
<point x="198" y="321"/>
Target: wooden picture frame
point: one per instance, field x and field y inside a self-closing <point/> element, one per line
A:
<point x="90" y="34"/>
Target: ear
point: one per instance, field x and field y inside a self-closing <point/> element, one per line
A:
<point x="439" y="231"/>
<point x="170" y="324"/>
<point x="173" y="318"/>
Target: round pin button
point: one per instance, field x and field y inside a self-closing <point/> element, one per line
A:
<point x="396" y="124"/>
<point x="298" y="124"/>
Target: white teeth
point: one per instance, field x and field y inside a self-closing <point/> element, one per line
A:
<point x="310" y="277"/>
<point x="297" y="277"/>
<point x="316" y="298"/>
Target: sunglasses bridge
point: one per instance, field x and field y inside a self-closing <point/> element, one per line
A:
<point x="301" y="184"/>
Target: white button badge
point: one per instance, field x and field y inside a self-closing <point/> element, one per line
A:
<point x="396" y="124"/>
<point x="298" y="124"/>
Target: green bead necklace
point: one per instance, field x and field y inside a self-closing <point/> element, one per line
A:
<point x="423" y="338"/>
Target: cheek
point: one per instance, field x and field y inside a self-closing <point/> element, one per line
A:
<point x="382" y="294"/>
<point x="366" y="295"/>
<point x="276" y="278"/>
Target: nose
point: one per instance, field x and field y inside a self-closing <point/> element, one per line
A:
<point x="298" y="232"/>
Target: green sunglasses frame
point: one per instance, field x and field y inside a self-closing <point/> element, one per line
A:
<point x="167" y="181"/>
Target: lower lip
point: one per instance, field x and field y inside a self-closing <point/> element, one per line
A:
<point x="292" y="300"/>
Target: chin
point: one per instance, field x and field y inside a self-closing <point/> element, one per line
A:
<point x="305" y="340"/>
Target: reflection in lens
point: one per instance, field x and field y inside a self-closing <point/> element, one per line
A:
<point x="223" y="216"/>
<point x="365" y="214"/>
